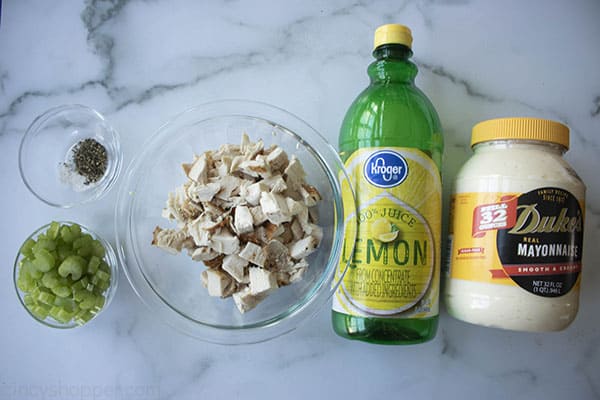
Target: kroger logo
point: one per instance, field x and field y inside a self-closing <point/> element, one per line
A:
<point x="385" y="169"/>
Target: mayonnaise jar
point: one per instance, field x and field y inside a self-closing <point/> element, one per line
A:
<point x="516" y="229"/>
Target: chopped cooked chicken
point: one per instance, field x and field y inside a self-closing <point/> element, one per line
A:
<point x="303" y="248"/>
<point x="198" y="170"/>
<point x="310" y="195"/>
<point x="295" y="173"/>
<point x="294" y="207"/>
<point x="262" y="280"/>
<point x="249" y="215"/>
<point x="219" y="283"/>
<point x="235" y="266"/>
<point x="275" y="208"/>
<point x="243" y="220"/>
<point x="272" y="231"/>
<point x="277" y="254"/>
<point x="258" y="217"/>
<point x="277" y="159"/>
<point x="275" y="183"/>
<point x="245" y="301"/>
<point x="203" y="254"/>
<point x="254" y="254"/>
<point x="229" y="184"/>
<point x="170" y="240"/>
<point x="296" y="229"/>
<point x="201" y="193"/>
<point x="224" y="242"/>
<point x="253" y="192"/>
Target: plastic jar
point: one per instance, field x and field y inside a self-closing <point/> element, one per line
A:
<point x="516" y="229"/>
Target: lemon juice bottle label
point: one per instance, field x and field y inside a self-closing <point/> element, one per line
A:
<point x="394" y="269"/>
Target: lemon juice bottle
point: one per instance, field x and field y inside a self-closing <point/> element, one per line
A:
<point x="391" y="144"/>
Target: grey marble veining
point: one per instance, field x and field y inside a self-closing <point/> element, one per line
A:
<point x="141" y="62"/>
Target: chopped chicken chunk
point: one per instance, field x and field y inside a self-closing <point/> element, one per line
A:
<point x="262" y="280"/>
<point x="243" y="220"/>
<point x="303" y="248"/>
<point x="219" y="283"/>
<point x="275" y="208"/>
<point x="224" y="242"/>
<point x="254" y="253"/>
<point x="245" y="301"/>
<point x="249" y="215"/>
<point x="235" y="266"/>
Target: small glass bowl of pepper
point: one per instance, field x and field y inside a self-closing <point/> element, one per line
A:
<point x="70" y="155"/>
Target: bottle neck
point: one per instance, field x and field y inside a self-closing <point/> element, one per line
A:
<point x="392" y="65"/>
<point x="535" y="145"/>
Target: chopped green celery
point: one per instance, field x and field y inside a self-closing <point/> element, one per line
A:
<point x="27" y="248"/>
<point x="98" y="249"/>
<point x="64" y="316"/>
<point x="104" y="267"/>
<point x="101" y="287"/>
<point x="76" y="230"/>
<point x="52" y="232"/>
<point x="46" y="298"/>
<point x="83" y="316"/>
<point x="100" y="300"/>
<point x="78" y="285"/>
<point x="103" y="276"/>
<point x="85" y="283"/>
<point x="79" y="294"/>
<point x="51" y="279"/>
<point x="44" y="261"/>
<point x="57" y="313"/>
<point x="39" y="312"/>
<point x="74" y="266"/>
<point x="66" y="234"/>
<point x="93" y="265"/>
<point x="83" y="241"/>
<point x="85" y="251"/>
<point x="35" y="292"/>
<point x="28" y="300"/>
<point x="25" y="282"/>
<point x="64" y="251"/>
<point x="44" y="243"/>
<point x="66" y="303"/>
<point x="30" y="269"/>
<point x="88" y="302"/>
<point x="61" y="291"/>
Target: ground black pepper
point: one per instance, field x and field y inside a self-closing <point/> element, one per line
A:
<point x="90" y="159"/>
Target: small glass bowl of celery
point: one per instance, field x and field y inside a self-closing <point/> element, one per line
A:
<point x="65" y="275"/>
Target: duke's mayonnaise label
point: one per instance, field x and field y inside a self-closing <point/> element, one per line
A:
<point x="529" y="240"/>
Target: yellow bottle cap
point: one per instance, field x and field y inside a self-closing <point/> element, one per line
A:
<point x="521" y="129"/>
<point x="393" y="33"/>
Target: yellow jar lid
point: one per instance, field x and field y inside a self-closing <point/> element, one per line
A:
<point x="393" y="33"/>
<point x="521" y="129"/>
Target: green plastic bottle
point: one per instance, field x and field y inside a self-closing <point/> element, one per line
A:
<point x="391" y="143"/>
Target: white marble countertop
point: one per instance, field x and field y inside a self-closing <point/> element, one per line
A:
<point x="141" y="62"/>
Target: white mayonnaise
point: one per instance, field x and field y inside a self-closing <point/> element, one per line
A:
<point x="517" y="206"/>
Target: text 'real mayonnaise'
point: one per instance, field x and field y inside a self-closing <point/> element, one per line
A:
<point x="516" y="229"/>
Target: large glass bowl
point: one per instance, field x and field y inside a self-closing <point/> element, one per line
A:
<point x="170" y="285"/>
